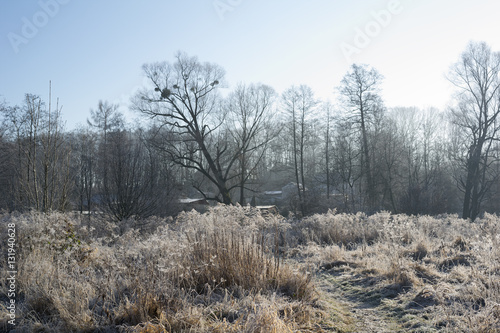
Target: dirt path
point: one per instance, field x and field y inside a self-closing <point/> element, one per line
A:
<point x="370" y="306"/>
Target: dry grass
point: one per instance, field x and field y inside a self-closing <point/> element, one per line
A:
<point x="231" y="270"/>
<point x="445" y="271"/>
<point x="217" y="272"/>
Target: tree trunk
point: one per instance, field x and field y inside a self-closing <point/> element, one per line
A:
<point x="367" y="165"/>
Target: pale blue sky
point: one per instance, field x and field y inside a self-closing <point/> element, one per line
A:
<point x="93" y="50"/>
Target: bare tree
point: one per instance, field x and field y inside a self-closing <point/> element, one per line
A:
<point x="249" y="122"/>
<point x="55" y="161"/>
<point x="360" y="90"/>
<point x="346" y="163"/>
<point x="327" y="109"/>
<point x="85" y="165"/>
<point x="299" y="103"/>
<point x="476" y="77"/>
<point x="7" y="160"/>
<point x="183" y="98"/>
<point x="28" y="143"/>
<point x="42" y="157"/>
<point x="131" y="189"/>
<point x="106" y="119"/>
<point x="388" y="151"/>
<point x="406" y="127"/>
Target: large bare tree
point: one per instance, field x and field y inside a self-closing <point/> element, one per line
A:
<point x="183" y="98"/>
<point x="477" y="79"/>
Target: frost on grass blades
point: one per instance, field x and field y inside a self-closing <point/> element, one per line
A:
<point x="31" y="27"/>
<point x="11" y="273"/>
<point x="224" y="6"/>
<point x="233" y="269"/>
<point x="364" y="36"/>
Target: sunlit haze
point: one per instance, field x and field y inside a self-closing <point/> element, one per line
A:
<point x="94" y="50"/>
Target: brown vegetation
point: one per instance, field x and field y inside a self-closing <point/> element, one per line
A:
<point x="232" y="270"/>
<point x="418" y="273"/>
<point x="218" y="272"/>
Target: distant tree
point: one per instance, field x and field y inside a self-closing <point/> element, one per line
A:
<point x="161" y="175"/>
<point x="29" y="122"/>
<point x="327" y="110"/>
<point x="119" y="170"/>
<point x="405" y="129"/>
<point x="130" y="189"/>
<point x="424" y="163"/>
<point x="106" y="119"/>
<point x="347" y="164"/>
<point x="55" y="161"/>
<point x="42" y="156"/>
<point x="277" y="167"/>
<point x="7" y="161"/>
<point x="476" y="77"/>
<point x="249" y="122"/>
<point x="85" y="167"/>
<point x="299" y="104"/>
<point x="389" y="151"/>
<point x="360" y="93"/>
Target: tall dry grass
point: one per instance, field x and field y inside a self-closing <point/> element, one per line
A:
<point x="217" y="272"/>
<point x="444" y="271"/>
<point x="233" y="270"/>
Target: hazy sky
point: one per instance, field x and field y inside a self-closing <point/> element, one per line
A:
<point x="93" y="50"/>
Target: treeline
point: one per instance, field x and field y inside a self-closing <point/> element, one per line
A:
<point x="252" y="143"/>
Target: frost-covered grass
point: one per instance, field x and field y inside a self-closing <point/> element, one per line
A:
<point x="217" y="272"/>
<point x="233" y="270"/>
<point x="431" y="273"/>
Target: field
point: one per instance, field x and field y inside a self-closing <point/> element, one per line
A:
<point x="235" y="270"/>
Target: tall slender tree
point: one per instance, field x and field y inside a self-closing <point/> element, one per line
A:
<point x="106" y="119"/>
<point x="360" y="93"/>
<point x="476" y="77"/>
<point x="327" y="109"/>
<point x="299" y="103"/>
